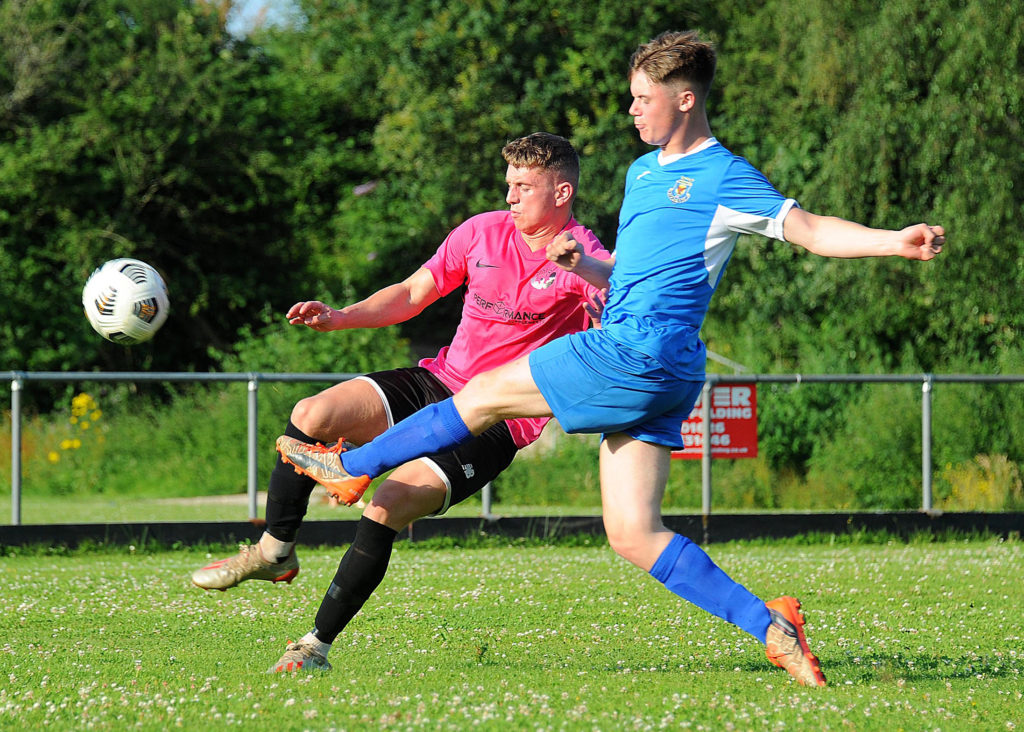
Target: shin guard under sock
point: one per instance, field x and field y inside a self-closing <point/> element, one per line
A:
<point x="435" y="428"/>
<point x="360" y="571"/>
<point x="688" y="571"/>
<point x="288" y="494"/>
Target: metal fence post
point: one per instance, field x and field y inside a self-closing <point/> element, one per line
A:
<point x="487" y="497"/>
<point x="926" y="443"/>
<point x="16" y="385"/>
<point x="705" y="458"/>
<point x="253" y="412"/>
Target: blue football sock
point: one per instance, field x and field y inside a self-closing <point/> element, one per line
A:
<point x="688" y="571"/>
<point x="435" y="428"/>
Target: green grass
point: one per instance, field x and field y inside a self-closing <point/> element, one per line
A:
<point x="912" y="636"/>
<point x="87" y="509"/>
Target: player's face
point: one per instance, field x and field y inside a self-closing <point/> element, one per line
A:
<point x="531" y="198"/>
<point x="655" y="109"/>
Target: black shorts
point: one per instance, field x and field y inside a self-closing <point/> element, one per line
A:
<point x="468" y="468"/>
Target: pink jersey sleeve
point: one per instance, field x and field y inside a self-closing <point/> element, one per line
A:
<point x="448" y="265"/>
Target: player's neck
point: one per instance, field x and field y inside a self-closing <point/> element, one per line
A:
<point x="691" y="136"/>
<point x="542" y="236"/>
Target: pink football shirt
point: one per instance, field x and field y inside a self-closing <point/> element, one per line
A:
<point x="515" y="301"/>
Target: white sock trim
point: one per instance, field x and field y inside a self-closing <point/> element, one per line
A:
<point x="318" y="645"/>
<point x="274" y="549"/>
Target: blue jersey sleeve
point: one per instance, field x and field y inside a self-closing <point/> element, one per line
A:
<point x="750" y="204"/>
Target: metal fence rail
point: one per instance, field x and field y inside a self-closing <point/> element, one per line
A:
<point x="18" y="379"/>
<point x="253" y="379"/>
<point x="927" y="382"/>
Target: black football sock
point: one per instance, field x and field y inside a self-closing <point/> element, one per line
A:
<point x="359" y="573"/>
<point x="288" y="493"/>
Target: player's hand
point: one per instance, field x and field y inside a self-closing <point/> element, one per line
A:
<point x="314" y="314"/>
<point x="564" y="251"/>
<point x="595" y="306"/>
<point x="920" y="241"/>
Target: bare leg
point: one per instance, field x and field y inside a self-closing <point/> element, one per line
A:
<point x="506" y="392"/>
<point x="488" y="398"/>
<point x="633" y="478"/>
<point x="353" y="410"/>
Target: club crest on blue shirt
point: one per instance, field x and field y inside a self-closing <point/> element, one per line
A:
<point x="680" y="192"/>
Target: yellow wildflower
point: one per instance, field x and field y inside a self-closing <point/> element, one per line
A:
<point x="52" y="456"/>
<point x="82" y="404"/>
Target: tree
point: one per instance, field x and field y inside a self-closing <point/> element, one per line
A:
<point x="143" y="129"/>
<point x="884" y="114"/>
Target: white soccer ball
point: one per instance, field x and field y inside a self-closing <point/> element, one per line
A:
<point x="126" y="301"/>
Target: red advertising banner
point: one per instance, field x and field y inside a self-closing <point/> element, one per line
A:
<point x="733" y="424"/>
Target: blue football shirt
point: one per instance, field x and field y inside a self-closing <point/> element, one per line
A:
<point x="678" y="227"/>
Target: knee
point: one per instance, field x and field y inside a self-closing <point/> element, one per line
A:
<point x="385" y="504"/>
<point x="481" y="402"/>
<point x="309" y="415"/>
<point x="638" y="542"/>
<point x="472" y="399"/>
<point x="626" y="543"/>
<point x="396" y="505"/>
<point x="377" y="512"/>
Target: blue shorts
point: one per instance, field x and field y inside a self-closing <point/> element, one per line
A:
<point x="594" y="384"/>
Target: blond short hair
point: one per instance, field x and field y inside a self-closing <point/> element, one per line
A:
<point x="677" y="57"/>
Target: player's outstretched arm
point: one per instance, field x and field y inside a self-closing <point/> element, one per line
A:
<point x="568" y="254"/>
<point x="393" y="304"/>
<point x="834" y="237"/>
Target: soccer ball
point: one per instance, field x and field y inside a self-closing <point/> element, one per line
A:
<point x="125" y="301"/>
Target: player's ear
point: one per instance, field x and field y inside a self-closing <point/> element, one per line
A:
<point x="687" y="100"/>
<point x="564" y="192"/>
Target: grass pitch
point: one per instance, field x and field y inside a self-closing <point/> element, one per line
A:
<point x="912" y="636"/>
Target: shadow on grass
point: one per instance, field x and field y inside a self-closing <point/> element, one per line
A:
<point x="867" y="669"/>
<point x="890" y="668"/>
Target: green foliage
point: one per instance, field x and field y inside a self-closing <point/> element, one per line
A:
<point x="748" y="484"/>
<point x="276" y="346"/>
<point x="272" y="345"/>
<point x="977" y="447"/>
<point x="987" y="483"/>
<point x="847" y="107"/>
<point x="454" y="83"/>
<point x="145" y="130"/>
<point x="877" y="453"/>
<point x="235" y="165"/>
<point x="67" y="452"/>
<point x="333" y="155"/>
<point x="559" y="470"/>
<point x="794" y="419"/>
